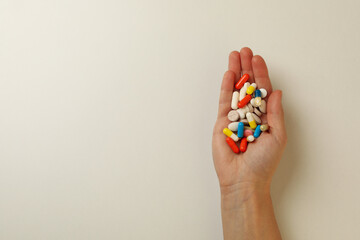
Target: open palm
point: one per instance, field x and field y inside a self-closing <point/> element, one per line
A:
<point x="258" y="164"/>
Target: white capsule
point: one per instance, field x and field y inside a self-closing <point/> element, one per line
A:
<point x="235" y="100"/>
<point x="250" y="138"/>
<point x="233" y="115"/>
<point x="233" y="126"/>
<point x="241" y="112"/>
<point x="243" y="91"/>
<point x="252" y="102"/>
<point x="262" y="107"/>
<point x="251" y="109"/>
<point x="257" y="112"/>
<point x="234" y="137"/>
<point x="256" y="118"/>
<point x="249" y="117"/>
<point x="263" y="92"/>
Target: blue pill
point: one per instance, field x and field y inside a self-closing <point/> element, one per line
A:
<point x="257" y="93"/>
<point x="257" y="131"/>
<point x="240" y="132"/>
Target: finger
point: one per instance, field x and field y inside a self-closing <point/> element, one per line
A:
<point x="226" y="92"/>
<point x="234" y="64"/>
<point x="261" y="74"/>
<point x="246" y="56"/>
<point x="275" y="116"/>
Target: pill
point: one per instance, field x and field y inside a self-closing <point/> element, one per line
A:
<point x="257" y="93"/>
<point x="229" y="133"/>
<point x="263" y="92"/>
<point x="235" y="100"/>
<point x="233" y="115"/>
<point x="243" y="144"/>
<point x="256" y="118"/>
<point x="233" y="126"/>
<point x="245" y="121"/>
<point x="249" y="128"/>
<point x="248" y="132"/>
<point x="240" y="130"/>
<point x="257" y="131"/>
<point x="251" y="88"/>
<point x="242" y="80"/>
<point x="252" y="102"/>
<point x="232" y="145"/>
<point x="262" y="107"/>
<point x="257" y="112"/>
<point x="250" y="138"/>
<point x="241" y="112"/>
<point x="251" y="108"/>
<point x="244" y="101"/>
<point x="243" y="91"/>
<point x="264" y="127"/>
<point x="251" y="120"/>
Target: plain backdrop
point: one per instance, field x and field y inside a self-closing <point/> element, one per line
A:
<point x="107" y="109"/>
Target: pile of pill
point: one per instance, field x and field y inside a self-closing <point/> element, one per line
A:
<point x="247" y="106"/>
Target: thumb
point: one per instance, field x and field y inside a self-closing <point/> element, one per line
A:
<point x="275" y="116"/>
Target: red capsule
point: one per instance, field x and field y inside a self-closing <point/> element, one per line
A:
<point x="232" y="145"/>
<point x="244" y="101"/>
<point x="243" y="144"/>
<point x="242" y="80"/>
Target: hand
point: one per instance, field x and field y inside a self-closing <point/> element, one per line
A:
<point x="257" y="165"/>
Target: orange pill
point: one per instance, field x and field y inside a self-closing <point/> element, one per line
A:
<point x="242" y="80"/>
<point x="232" y="145"/>
<point x="244" y="101"/>
<point x="243" y="144"/>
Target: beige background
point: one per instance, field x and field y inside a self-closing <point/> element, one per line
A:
<point x="107" y="110"/>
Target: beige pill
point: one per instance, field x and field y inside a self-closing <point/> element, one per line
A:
<point x="233" y="115"/>
<point x="250" y="138"/>
<point x="252" y="102"/>
<point x="245" y="121"/>
<point x="241" y="112"/>
<point x="256" y="118"/>
<point x="264" y="127"/>
<point x="257" y="112"/>
<point x="251" y="109"/>
<point x="235" y="100"/>
<point x="243" y="91"/>
<point x="233" y="126"/>
<point x="262" y="107"/>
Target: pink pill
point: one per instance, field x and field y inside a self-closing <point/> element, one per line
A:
<point x="248" y="132"/>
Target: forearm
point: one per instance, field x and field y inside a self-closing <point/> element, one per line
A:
<point x="247" y="213"/>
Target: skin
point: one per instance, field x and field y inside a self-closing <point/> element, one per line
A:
<point x="245" y="178"/>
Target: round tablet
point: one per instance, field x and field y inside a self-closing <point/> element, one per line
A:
<point x="233" y="115"/>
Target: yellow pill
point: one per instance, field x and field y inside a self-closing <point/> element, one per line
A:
<point x="251" y="120"/>
<point x="264" y="127"/>
<point x="251" y="88"/>
<point x="230" y="134"/>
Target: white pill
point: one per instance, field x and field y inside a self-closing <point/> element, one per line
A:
<point x="250" y="138"/>
<point x="263" y="92"/>
<point x="243" y="91"/>
<point x="251" y="109"/>
<point x="245" y="121"/>
<point x="249" y="117"/>
<point x="233" y="115"/>
<point x="252" y="102"/>
<point x="233" y="126"/>
<point x="235" y="100"/>
<point x="257" y="112"/>
<point x="234" y="137"/>
<point x="256" y="118"/>
<point x="262" y="107"/>
<point x="241" y="112"/>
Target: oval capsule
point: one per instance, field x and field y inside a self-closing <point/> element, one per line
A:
<point x="243" y="91"/>
<point x="251" y="108"/>
<point x="229" y="133"/>
<point x="242" y="81"/>
<point x="264" y="127"/>
<point x="262" y="107"/>
<point x="251" y="120"/>
<point x="256" y="118"/>
<point x="257" y="112"/>
<point x="243" y="144"/>
<point x="244" y="101"/>
<point x="257" y="131"/>
<point x="233" y="115"/>
<point x="263" y="92"/>
<point x="234" y="100"/>
<point x="232" y="145"/>
<point x="251" y="88"/>
<point x="250" y="138"/>
<point x="240" y="130"/>
<point x="233" y="126"/>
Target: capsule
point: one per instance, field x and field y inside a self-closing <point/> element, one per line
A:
<point x="243" y="91"/>
<point x="257" y="99"/>
<point x="251" y="89"/>
<point x="263" y="92"/>
<point x="257" y="131"/>
<point x="262" y="107"/>
<point x="256" y="118"/>
<point x="232" y="145"/>
<point x="251" y="120"/>
<point x="233" y="126"/>
<point x="264" y="127"/>
<point x="243" y="144"/>
<point x="250" y="138"/>
<point x="251" y="108"/>
<point x="244" y="101"/>
<point x="242" y="80"/>
<point x="240" y="130"/>
<point x="235" y="100"/>
<point x="229" y="133"/>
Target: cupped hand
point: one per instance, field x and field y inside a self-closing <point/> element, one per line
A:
<point x="257" y="165"/>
